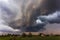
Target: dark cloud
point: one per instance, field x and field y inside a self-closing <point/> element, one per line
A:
<point x="35" y="28"/>
<point x="27" y="12"/>
<point x="53" y="14"/>
<point x="51" y="18"/>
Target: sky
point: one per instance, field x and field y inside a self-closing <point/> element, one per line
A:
<point x="26" y="16"/>
<point x="52" y="29"/>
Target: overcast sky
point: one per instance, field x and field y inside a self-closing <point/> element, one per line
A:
<point x="12" y="10"/>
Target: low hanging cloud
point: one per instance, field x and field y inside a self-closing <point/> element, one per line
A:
<point x="51" y="18"/>
<point x="6" y="28"/>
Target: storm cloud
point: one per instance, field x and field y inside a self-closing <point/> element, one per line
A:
<point x="13" y="10"/>
<point x="28" y="15"/>
<point x="7" y="12"/>
<point x="51" y="18"/>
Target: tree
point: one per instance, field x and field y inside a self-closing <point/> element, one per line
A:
<point x="23" y="35"/>
<point x="30" y="34"/>
<point x="40" y="34"/>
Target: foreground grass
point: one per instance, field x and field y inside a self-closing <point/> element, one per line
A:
<point x="31" y="38"/>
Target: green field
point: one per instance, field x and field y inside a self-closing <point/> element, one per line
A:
<point x="31" y="38"/>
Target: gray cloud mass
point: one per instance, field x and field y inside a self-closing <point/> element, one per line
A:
<point x="26" y="15"/>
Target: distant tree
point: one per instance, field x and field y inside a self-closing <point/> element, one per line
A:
<point x="51" y="34"/>
<point x="2" y="35"/>
<point x="23" y="35"/>
<point x="47" y="35"/>
<point x="8" y="34"/>
<point x="30" y="34"/>
<point x="40" y="34"/>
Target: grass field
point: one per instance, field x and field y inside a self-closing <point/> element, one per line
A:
<point x="31" y="38"/>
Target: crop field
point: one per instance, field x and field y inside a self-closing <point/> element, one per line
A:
<point x="30" y="38"/>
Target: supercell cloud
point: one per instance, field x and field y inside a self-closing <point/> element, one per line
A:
<point x="12" y="10"/>
<point x="26" y="15"/>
